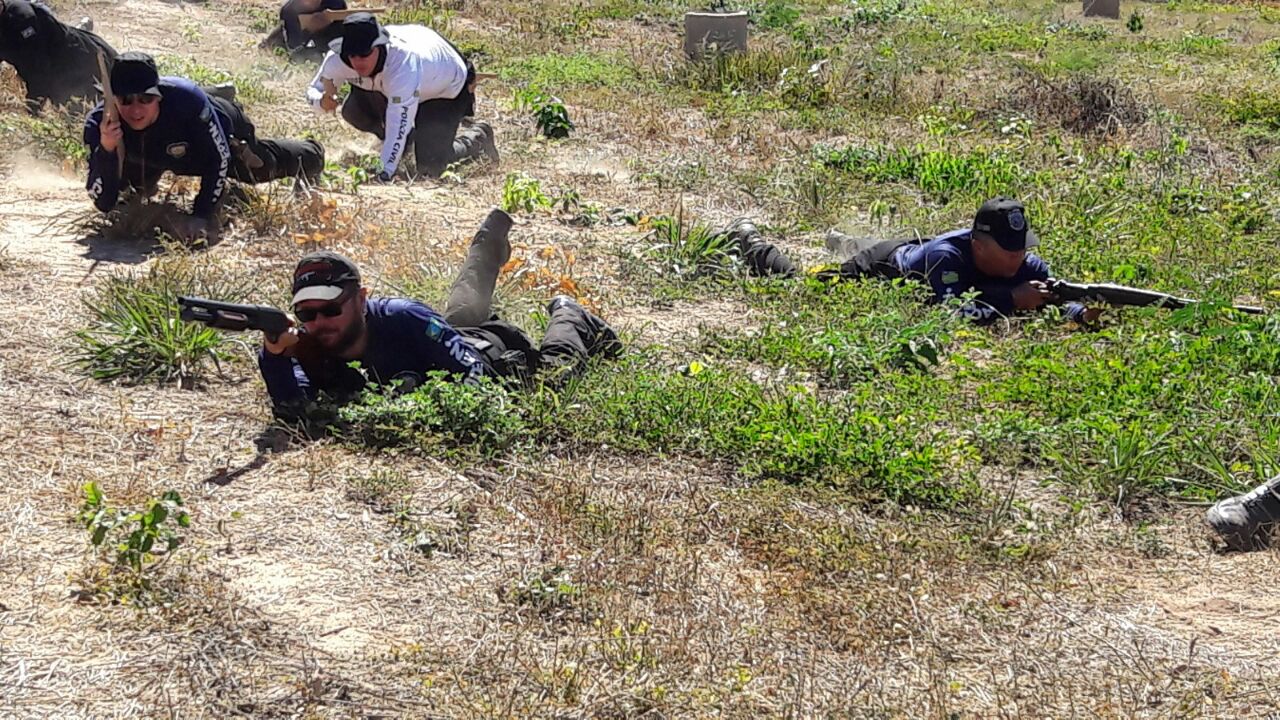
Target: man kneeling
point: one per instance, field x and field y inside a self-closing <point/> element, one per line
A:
<point x="408" y="85"/>
<point x="399" y="340"/>
<point x="171" y="124"/>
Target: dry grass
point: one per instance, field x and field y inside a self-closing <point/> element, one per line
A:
<point x="1084" y="105"/>
<point x="562" y="583"/>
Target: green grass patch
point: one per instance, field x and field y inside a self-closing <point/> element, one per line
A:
<point x="249" y="86"/>
<point x="135" y="334"/>
<point x="554" y="71"/>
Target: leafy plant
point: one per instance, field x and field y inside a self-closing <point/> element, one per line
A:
<point x="521" y="193"/>
<point x="548" y="111"/>
<point x="440" y="412"/>
<point x="549" y="590"/>
<point x="135" y="542"/>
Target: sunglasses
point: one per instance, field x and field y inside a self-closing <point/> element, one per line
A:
<point x="142" y="99"/>
<point x="333" y="309"/>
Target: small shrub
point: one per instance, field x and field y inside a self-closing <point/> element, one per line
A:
<point x="685" y="249"/>
<point x="521" y="193"/>
<point x="133" y="543"/>
<point x="439" y="413"/>
<point x="549" y="112"/>
<point x="135" y="334"/>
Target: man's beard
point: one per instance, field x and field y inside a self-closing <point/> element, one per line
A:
<point x="339" y="344"/>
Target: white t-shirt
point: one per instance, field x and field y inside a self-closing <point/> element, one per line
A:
<point x="420" y="66"/>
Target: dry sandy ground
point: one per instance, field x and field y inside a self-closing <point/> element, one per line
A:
<point x="308" y="604"/>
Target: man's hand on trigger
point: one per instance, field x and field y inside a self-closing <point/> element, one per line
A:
<point x="109" y="134"/>
<point x="1031" y="295"/>
<point x="287" y="339"/>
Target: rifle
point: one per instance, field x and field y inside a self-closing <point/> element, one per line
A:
<point x="230" y="316"/>
<point x="1123" y="295"/>
<point x="317" y="21"/>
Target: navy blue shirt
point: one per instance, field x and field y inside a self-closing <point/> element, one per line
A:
<point x="404" y="336"/>
<point x="188" y="138"/>
<point x="946" y="263"/>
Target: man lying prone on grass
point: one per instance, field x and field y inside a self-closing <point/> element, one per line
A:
<point x="990" y="257"/>
<point x="397" y="341"/>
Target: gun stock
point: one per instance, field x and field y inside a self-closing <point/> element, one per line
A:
<point x="109" y="108"/>
<point x="1124" y="295"/>
<point x="317" y="21"/>
<point x="231" y="316"/>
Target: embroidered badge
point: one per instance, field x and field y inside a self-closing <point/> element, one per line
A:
<point x="434" y="329"/>
<point x="1017" y="222"/>
<point x="950" y="276"/>
<point x="177" y="150"/>
<point x="205" y="114"/>
<point x="28" y="32"/>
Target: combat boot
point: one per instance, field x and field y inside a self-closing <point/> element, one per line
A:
<point x="596" y="335"/>
<point x="1239" y="519"/>
<point x="471" y="297"/>
<point x="762" y="257"/>
<point x="476" y="140"/>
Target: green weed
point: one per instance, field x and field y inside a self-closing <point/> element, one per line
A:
<point x="134" y="543"/>
<point x="549" y="112"/>
<point x="135" y="334"/>
<point x="521" y="193"/>
<point x="681" y="248"/>
<point x="439" y="413"/>
<point x="940" y="174"/>
<point x="249" y="87"/>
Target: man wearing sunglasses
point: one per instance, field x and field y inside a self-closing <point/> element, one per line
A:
<point x="55" y="61"/>
<point x="408" y="85"/>
<point x="171" y="124"/>
<point x="397" y="341"/>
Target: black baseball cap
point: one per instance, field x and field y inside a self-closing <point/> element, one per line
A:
<point x="1005" y="219"/>
<point x="134" y="73"/>
<point x="361" y="33"/>
<point x="323" y="276"/>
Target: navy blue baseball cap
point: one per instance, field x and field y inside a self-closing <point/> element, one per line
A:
<point x="134" y="73"/>
<point x="1005" y="219"/>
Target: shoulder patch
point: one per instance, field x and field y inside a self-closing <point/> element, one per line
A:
<point x="950" y="276"/>
<point x="206" y="113"/>
<point x="28" y="32"/>
<point x="435" y="328"/>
